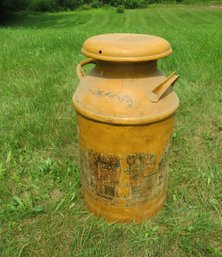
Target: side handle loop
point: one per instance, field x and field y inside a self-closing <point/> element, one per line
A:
<point x="159" y="91"/>
<point x="79" y="70"/>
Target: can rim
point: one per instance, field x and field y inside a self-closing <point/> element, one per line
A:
<point x="114" y="119"/>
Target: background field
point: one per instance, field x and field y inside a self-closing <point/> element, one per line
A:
<point x="41" y="207"/>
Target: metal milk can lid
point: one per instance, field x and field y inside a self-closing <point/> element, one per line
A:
<point x="126" y="47"/>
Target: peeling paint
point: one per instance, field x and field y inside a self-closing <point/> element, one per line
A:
<point x="101" y="177"/>
<point x="100" y="174"/>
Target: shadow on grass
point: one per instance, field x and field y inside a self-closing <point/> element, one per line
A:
<point x="46" y="20"/>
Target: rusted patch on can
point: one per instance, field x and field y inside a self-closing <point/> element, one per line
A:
<point x="100" y="174"/>
<point x="145" y="178"/>
<point x="140" y="165"/>
<point x="164" y="160"/>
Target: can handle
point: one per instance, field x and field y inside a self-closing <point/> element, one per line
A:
<point x="79" y="70"/>
<point x="159" y="91"/>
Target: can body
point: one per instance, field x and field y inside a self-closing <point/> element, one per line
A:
<point x="125" y="111"/>
<point x="124" y="168"/>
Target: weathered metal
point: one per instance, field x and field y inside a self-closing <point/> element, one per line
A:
<point x="125" y="117"/>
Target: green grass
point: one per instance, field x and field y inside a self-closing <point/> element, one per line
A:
<point x="41" y="208"/>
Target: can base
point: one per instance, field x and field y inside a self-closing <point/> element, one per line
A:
<point x="120" y="214"/>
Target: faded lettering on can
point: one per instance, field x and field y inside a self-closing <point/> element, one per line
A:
<point x="101" y="176"/>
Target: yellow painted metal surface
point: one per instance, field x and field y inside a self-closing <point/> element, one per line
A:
<point x="126" y="47"/>
<point x="125" y="118"/>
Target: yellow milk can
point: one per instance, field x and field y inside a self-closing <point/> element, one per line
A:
<point x="125" y="111"/>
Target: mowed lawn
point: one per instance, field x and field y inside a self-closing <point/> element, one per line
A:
<point x="41" y="208"/>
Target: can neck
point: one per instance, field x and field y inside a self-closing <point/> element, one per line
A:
<point x="125" y="70"/>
